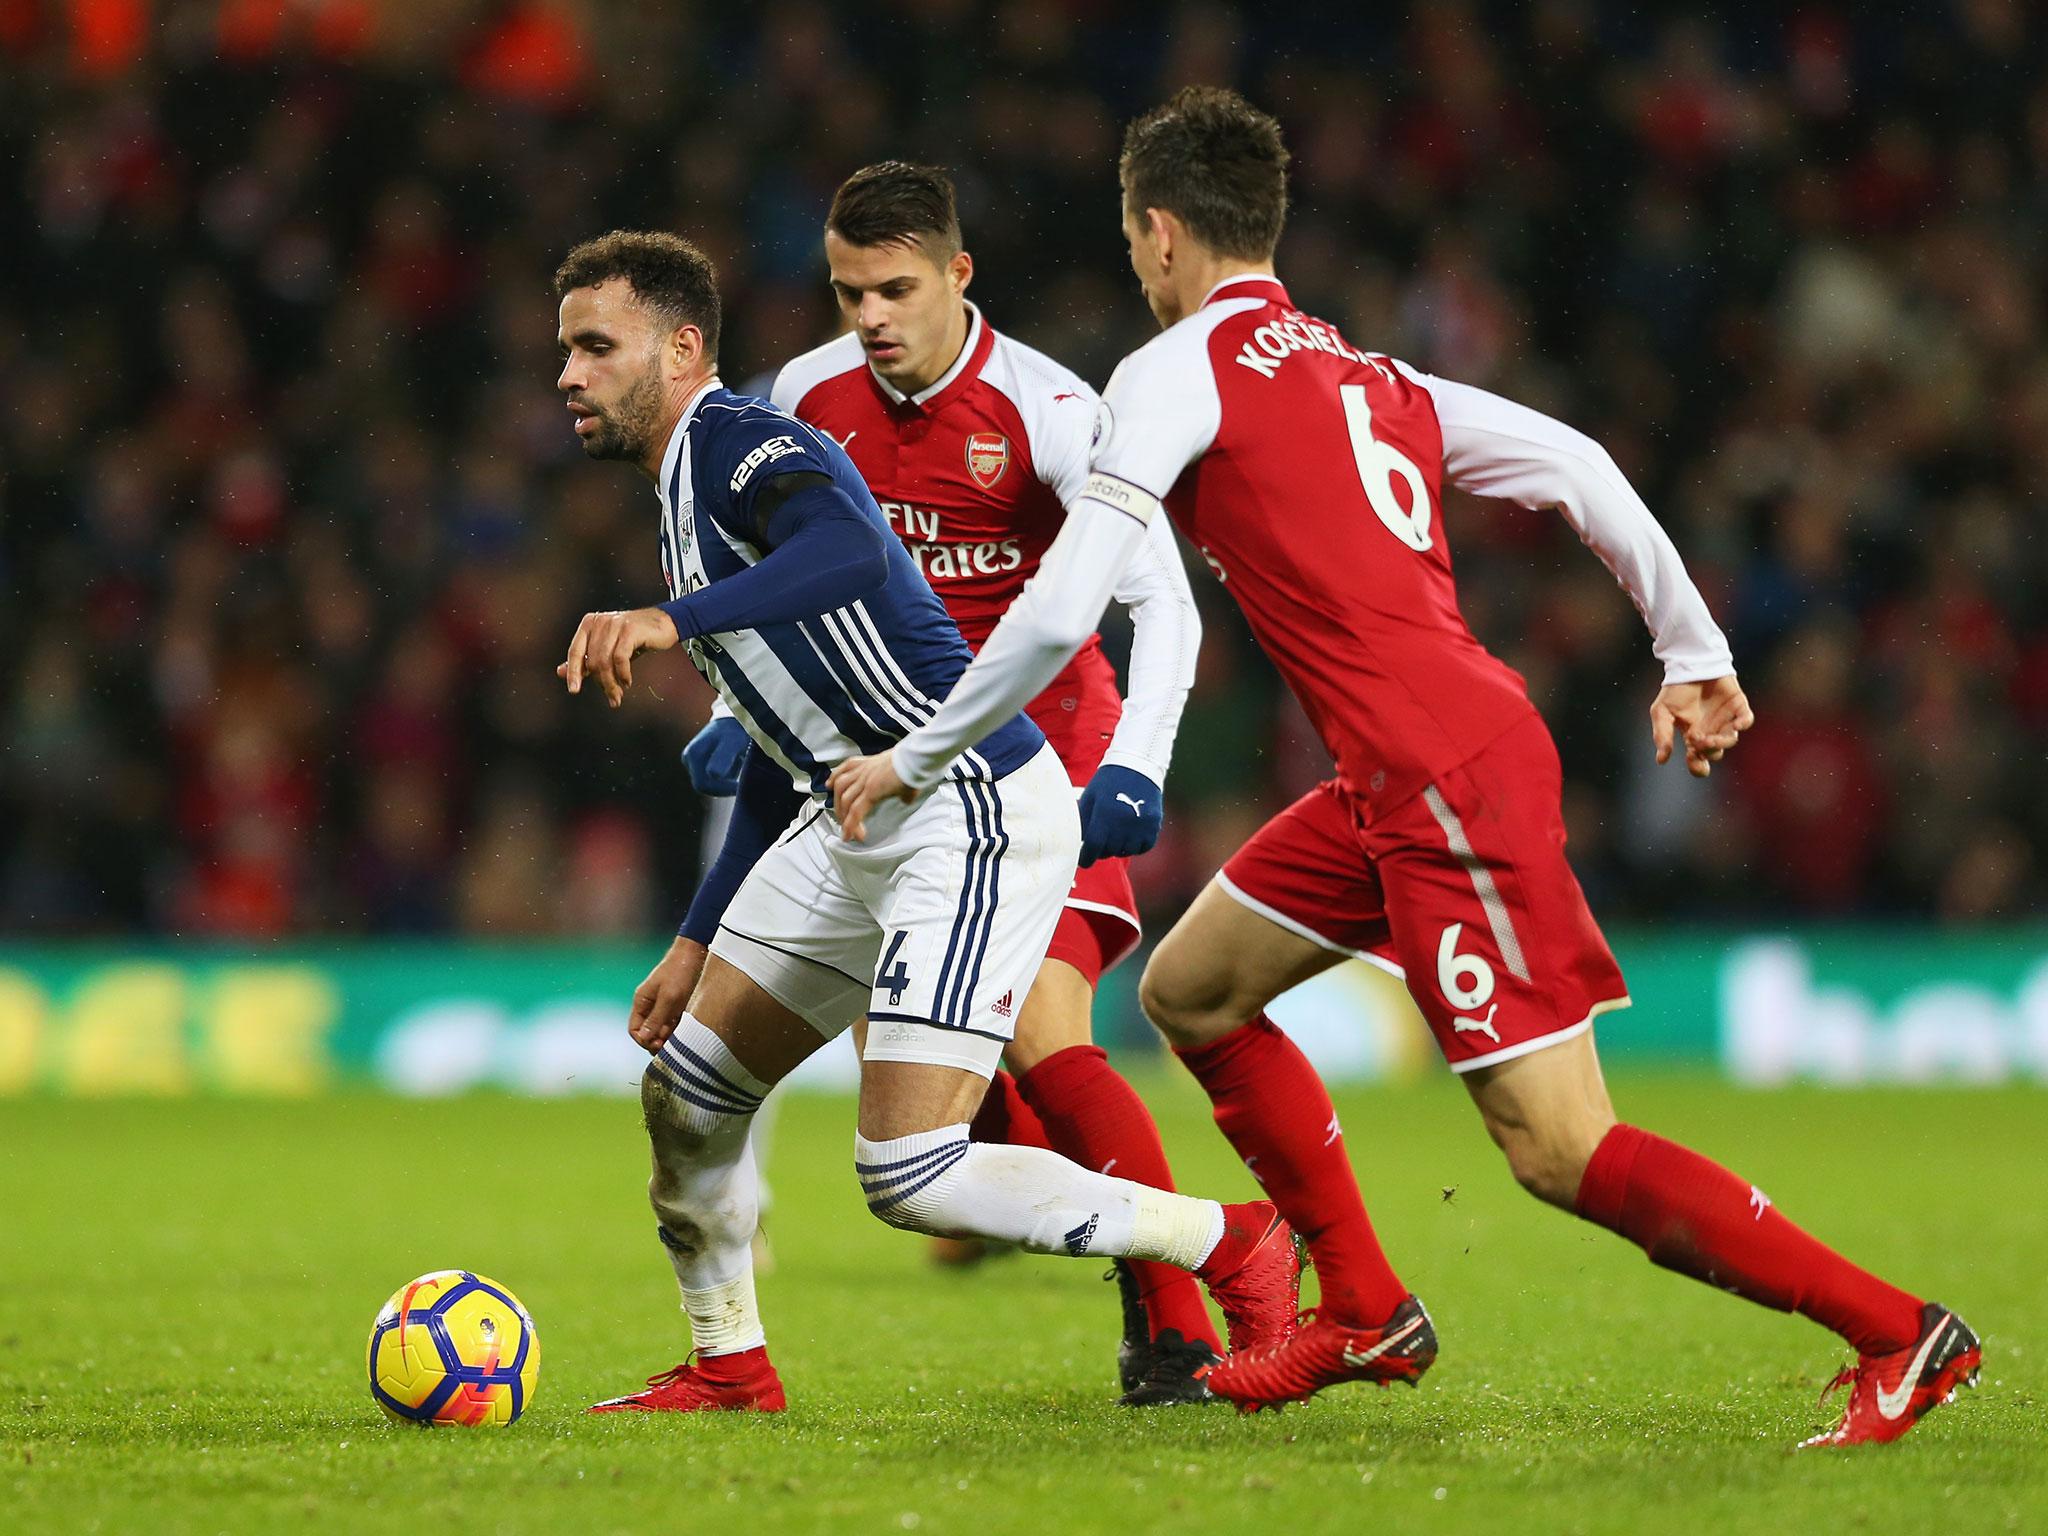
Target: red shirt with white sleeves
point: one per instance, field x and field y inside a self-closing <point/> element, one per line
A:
<point x="1310" y="474"/>
<point x="975" y="473"/>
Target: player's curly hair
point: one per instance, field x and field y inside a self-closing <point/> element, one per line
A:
<point x="667" y="272"/>
<point x="897" y="203"/>
<point x="1216" y="163"/>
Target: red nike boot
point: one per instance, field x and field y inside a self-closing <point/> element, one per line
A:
<point x="1254" y="1274"/>
<point x="1888" y="1394"/>
<point x="743" y="1382"/>
<point x="1324" y="1353"/>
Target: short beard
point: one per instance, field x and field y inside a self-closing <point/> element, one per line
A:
<point x="626" y="431"/>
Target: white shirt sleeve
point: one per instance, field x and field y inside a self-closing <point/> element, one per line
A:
<point x="1060" y="414"/>
<point x="1166" y="633"/>
<point x="1058" y="609"/>
<point x="1159" y="414"/>
<point x="1161" y="410"/>
<point x="1494" y="447"/>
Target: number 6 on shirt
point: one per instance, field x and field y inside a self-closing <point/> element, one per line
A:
<point x="1378" y="463"/>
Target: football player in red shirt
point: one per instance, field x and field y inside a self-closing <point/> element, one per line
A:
<point x="973" y="445"/>
<point x="1310" y="473"/>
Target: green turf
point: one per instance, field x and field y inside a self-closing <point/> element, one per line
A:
<point x="185" y="1290"/>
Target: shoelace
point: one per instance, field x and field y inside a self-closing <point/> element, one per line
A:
<point x="675" y="1373"/>
<point x="1845" y="1377"/>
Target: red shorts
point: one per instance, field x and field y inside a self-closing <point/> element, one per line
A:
<point x="1078" y="714"/>
<point x="1462" y="890"/>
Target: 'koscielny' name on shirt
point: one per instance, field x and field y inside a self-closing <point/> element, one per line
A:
<point x="1272" y="345"/>
<point x="939" y="560"/>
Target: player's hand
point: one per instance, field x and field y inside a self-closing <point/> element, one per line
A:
<point x="1708" y="717"/>
<point x="606" y="643"/>
<point x="858" y="785"/>
<point x="1121" y="811"/>
<point x="714" y="756"/>
<point x="659" y="1001"/>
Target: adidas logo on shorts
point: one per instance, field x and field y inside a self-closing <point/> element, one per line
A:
<point x="1002" y="1006"/>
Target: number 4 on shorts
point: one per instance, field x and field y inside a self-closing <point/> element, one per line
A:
<point x="892" y="972"/>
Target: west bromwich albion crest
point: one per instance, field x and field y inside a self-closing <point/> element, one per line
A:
<point x="988" y="455"/>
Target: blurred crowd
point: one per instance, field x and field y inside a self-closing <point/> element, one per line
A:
<point x="293" y="530"/>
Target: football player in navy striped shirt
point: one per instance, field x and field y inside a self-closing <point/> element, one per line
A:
<point x="807" y="615"/>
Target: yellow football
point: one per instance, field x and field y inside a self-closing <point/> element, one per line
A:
<point x="453" y="1348"/>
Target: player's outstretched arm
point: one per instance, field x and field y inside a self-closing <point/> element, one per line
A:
<point x="1057" y="611"/>
<point x="1123" y="808"/>
<point x="822" y="553"/>
<point x="1494" y="447"/>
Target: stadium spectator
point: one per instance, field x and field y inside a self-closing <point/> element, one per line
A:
<point x="286" y="541"/>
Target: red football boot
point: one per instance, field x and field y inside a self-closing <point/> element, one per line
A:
<point x="1324" y="1353"/>
<point x="739" y="1383"/>
<point x="1889" y="1393"/>
<point x="1255" y="1276"/>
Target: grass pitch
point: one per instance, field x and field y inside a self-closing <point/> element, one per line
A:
<point x="185" y="1289"/>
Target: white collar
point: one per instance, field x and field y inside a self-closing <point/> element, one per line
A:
<point x="959" y="365"/>
<point x="675" y="438"/>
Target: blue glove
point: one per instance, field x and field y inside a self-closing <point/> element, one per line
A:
<point x="714" y="756"/>
<point x="1120" y="814"/>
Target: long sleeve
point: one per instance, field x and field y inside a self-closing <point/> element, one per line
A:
<point x="822" y="554"/>
<point x="1160" y="414"/>
<point x="1494" y="447"/>
<point x="760" y="811"/>
<point x="1166" y="634"/>
<point x="1056" y="612"/>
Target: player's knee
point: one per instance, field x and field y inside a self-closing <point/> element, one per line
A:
<point x="1181" y="1006"/>
<point x="902" y="1217"/>
<point x="662" y="1111"/>
<point x="683" y="1131"/>
<point x="916" y="1183"/>
<point x="1547" y="1166"/>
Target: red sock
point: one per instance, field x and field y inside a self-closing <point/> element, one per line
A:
<point x="1275" y="1111"/>
<point x="740" y="1365"/>
<point x="1004" y="1119"/>
<point x="1097" y="1119"/>
<point x="1690" y="1214"/>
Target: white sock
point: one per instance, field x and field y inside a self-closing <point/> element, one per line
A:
<point x="723" y="1318"/>
<point x="939" y="1181"/>
<point x="699" y="1103"/>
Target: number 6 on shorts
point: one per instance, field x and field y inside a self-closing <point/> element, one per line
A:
<point x="1454" y="969"/>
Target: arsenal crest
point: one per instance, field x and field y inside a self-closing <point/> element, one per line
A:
<point x="988" y="455"/>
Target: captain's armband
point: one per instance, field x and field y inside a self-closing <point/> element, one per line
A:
<point x="1132" y="500"/>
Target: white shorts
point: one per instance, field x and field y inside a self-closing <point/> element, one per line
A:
<point x="934" y="928"/>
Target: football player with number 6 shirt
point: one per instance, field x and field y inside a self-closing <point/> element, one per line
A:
<point x="973" y="444"/>
<point x="1310" y="473"/>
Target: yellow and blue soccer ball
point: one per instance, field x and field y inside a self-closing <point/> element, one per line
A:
<point x="453" y="1348"/>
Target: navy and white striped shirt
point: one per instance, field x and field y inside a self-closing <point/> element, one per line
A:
<point x="849" y="682"/>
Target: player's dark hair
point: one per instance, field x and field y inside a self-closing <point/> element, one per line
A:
<point x="897" y="203"/>
<point x="1215" y="162"/>
<point x="667" y="272"/>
